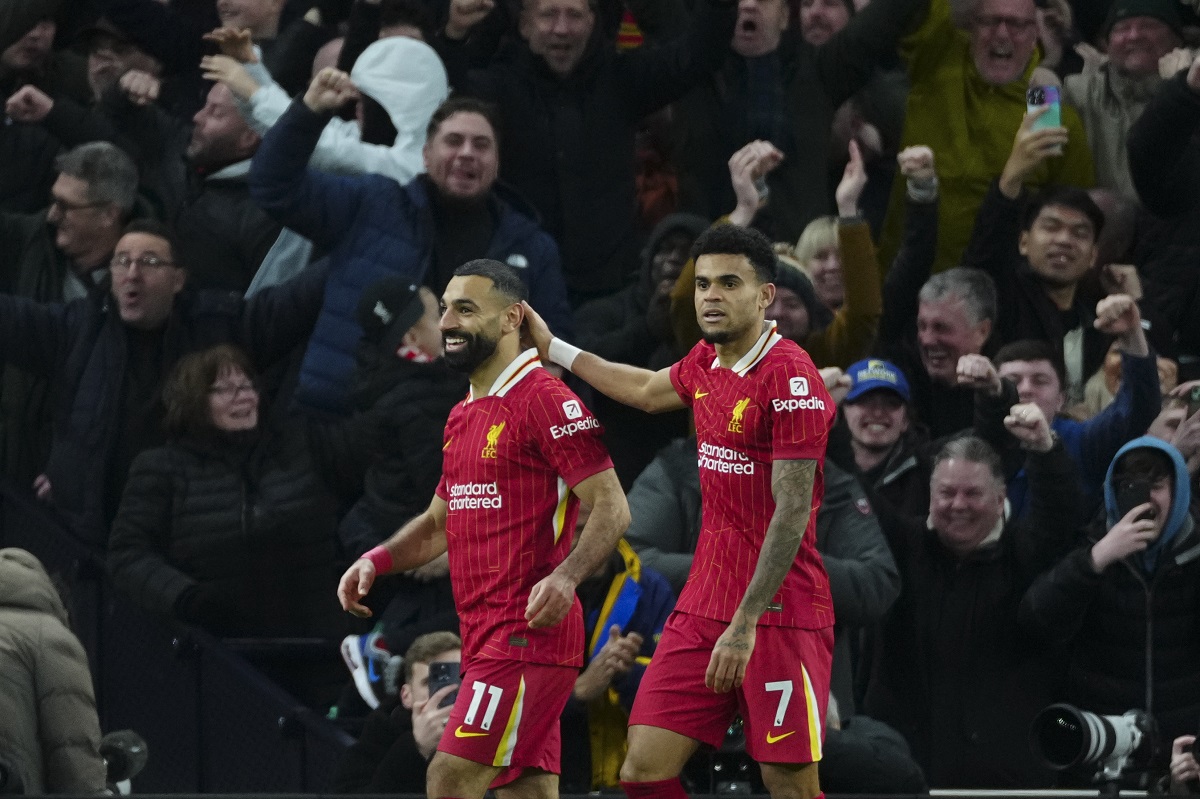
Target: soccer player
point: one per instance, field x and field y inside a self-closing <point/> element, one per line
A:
<point x="521" y="452"/>
<point x="753" y="630"/>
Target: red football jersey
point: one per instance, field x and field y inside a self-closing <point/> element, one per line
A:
<point x="510" y="459"/>
<point x="772" y="405"/>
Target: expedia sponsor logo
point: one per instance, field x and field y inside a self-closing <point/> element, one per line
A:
<point x="571" y="428"/>
<point x="475" y="496"/>
<point x="724" y="460"/>
<point x="806" y="404"/>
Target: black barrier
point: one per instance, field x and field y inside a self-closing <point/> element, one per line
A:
<point x="211" y="721"/>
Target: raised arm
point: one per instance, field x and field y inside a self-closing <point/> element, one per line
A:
<point x="792" y="487"/>
<point x="640" y="388"/>
<point x="419" y="541"/>
<point x="316" y="205"/>
<point x="552" y="597"/>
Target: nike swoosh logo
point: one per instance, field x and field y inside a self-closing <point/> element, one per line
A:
<point x="458" y="733"/>
<point x="777" y="738"/>
<point x="700" y="394"/>
<point x="446" y="446"/>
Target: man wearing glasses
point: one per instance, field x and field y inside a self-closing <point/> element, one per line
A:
<point x="108" y="354"/>
<point x="970" y="64"/>
<point x="59" y="254"/>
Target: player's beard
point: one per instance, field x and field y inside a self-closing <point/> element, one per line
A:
<point x="479" y="348"/>
<point x="719" y="336"/>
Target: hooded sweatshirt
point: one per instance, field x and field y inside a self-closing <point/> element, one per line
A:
<point x="403" y="75"/>
<point x="1178" y="520"/>
<point x="50" y="734"/>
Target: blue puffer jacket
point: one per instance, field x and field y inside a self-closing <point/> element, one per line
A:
<point x="374" y="227"/>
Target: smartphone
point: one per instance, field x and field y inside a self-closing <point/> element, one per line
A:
<point x="1193" y="401"/>
<point x="1043" y="96"/>
<point x="1130" y="494"/>
<point x="764" y="191"/>
<point x="442" y="674"/>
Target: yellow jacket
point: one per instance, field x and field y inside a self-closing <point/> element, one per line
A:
<point x="970" y="125"/>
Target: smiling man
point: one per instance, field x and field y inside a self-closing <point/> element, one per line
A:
<point x="1110" y="99"/>
<point x="1040" y="285"/>
<point x="521" y="453"/>
<point x="374" y="227"/>
<point x="965" y="702"/>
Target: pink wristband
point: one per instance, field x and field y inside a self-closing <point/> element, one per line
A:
<point x="380" y="558"/>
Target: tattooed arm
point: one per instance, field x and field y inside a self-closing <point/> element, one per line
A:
<point x="792" y="487"/>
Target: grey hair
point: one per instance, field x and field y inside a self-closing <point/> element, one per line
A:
<point x="973" y="286"/>
<point x="110" y="174"/>
<point x="973" y="449"/>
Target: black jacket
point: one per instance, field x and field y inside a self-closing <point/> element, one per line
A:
<point x="953" y="671"/>
<point x="82" y="348"/>
<point x="713" y="120"/>
<point x="249" y="520"/>
<point x="411" y="402"/>
<point x="1026" y="311"/>
<point x="1164" y="162"/>
<point x="568" y="144"/>
<point x="385" y="757"/>
<point x="1135" y="638"/>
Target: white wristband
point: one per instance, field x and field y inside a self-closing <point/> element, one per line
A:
<point x="562" y="353"/>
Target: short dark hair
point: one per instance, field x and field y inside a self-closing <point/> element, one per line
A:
<point x="504" y="278"/>
<point x="1033" y="349"/>
<point x="428" y="646"/>
<point x="736" y="240"/>
<point x="152" y="227"/>
<point x="464" y="105"/>
<point x="406" y="12"/>
<point x="185" y="394"/>
<point x="1063" y="197"/>
<point x="1144" y="463"/>
<point x="974" y="450"/>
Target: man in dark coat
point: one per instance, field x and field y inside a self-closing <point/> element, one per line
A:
<point x="570" y="106"/>
<point x="951" y="671"/>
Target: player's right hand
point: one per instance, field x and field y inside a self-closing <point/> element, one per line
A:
<point x="730" y="656"/>
<point x="354" y="585"/>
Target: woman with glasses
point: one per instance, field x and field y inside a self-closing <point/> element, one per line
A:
<point x="232" y="524"/>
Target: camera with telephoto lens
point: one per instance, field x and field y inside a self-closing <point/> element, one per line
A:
<point x="1065" y="737"/>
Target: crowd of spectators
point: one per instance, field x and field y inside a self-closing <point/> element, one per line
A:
<point x="225" y="226"/>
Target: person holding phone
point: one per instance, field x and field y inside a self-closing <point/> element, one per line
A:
<point x="399" y="738"/>
<point x="1127" y="599"/>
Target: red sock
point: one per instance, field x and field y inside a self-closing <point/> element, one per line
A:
<point x="663" y="789"/>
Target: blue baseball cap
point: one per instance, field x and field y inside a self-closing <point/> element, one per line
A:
<point x="872" y="374"/>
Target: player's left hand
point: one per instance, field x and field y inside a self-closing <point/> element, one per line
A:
<point x="538" y="330"/>
<point x="731" y="653"/>
<point x="550" y="601"/>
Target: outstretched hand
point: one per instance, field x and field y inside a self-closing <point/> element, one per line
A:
<point x="538" y="331"/>
<point x="854" y="180"/>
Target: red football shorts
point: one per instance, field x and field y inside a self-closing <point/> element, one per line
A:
<point x="782" y="700"/>
<point x="507" y="715"/>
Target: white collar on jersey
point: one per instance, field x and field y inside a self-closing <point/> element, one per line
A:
<point x="765" y="342"/>
<point x="522" y="365"/>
